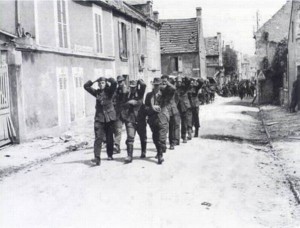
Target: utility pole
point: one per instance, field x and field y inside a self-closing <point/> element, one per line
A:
<point x="257" y="20"/>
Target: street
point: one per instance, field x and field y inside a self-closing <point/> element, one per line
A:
<point x="225" y="178"/>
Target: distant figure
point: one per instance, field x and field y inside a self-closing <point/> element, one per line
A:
<point x="295" y="96"/>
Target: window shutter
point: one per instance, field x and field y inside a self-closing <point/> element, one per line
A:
<point x="120" y="39"/>
<point x="180" y="68"/>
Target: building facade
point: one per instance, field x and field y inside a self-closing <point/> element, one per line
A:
<point x="50" y="48"/>
<point x="293" y="52"/>
<point x="183" y="47"/>
<point x="267" y="39"/>
<point x="214" y="58"/>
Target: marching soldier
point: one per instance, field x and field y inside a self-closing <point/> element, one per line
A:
<point x="195" y="103"/>
<point x="156" y="104"/>
<point x="184" y="107"/>
<point x="119" y="101"/>
<point x="174" y="124"/>
<point x="105" y="115"/>
<point x="133" y="115"/>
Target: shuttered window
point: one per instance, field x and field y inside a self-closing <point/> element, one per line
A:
<point x="62" y="23"/>
<point x="123" y="40"/>
<point x="98" y="29"/>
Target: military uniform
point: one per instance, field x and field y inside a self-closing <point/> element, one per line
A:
<point x="158" y="120"/>
<point x="174" y="124"/>
<point x="195" y="104"/>
<point x="104" y="117"/>
<point x="119" y="101"/>
<point x="134" y="116"/>
<point x="185" y="110"/>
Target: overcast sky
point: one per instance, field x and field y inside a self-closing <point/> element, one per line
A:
<point x="233" y="18"/>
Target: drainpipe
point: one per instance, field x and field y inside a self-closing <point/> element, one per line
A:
<point x="17" y="13"/>
<point x="199" y="18"/>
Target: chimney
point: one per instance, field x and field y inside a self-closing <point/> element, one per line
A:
<point x="198" y="11"/>
<point x="156" y="15"/>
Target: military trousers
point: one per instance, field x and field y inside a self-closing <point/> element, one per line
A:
<point x="118" y="124"/>
<point x="174" y="129"/>
<point x="186" y="122"/>
<point x="159" y="128"/>
<point x="132" y="129"/>
<point x="195" y="114"/>
<point x="103" y="130"/>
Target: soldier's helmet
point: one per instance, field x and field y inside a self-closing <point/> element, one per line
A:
<point x="120" y="78"/>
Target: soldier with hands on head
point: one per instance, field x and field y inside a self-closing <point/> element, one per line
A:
<point x="156" y="104"/>
<point x="105" y="115"/>
<point x="195" y="103"/>
<point x="133" y="115"/>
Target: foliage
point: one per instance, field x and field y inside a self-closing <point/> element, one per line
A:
<point x="230" y="61"/>
<point x="279" y="62"/>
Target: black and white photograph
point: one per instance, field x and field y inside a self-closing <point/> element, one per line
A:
<point x="149" y="113"/>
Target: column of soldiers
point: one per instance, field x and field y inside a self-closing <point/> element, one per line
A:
<point x="171" y="110"/>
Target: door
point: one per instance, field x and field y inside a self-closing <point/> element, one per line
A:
<point x="64" y="116"/>
<point x="7" y="131"/>
<point x="77" y="73"/>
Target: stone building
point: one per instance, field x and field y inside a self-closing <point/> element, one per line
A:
<point x="183" y="47"/>
<point x="267" y="39"/>
<point x="50" y="48"/>
<point x="214" y="58"/>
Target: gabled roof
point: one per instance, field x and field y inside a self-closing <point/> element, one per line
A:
<point x="179" y="36"/>
<point x="212" y="46"/>
<point x="278" y="26"/>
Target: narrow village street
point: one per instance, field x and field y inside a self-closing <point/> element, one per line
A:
<point x="228" y="177"/>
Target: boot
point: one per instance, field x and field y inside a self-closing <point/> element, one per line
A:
<point x="117" y="149"/>
<point x="172" y="147"/>
<point x="184" y="140"/>
<point x="129" y="154"/>
<point x="160" y="158"/>
<point x="189" y="134"/>
<point x="196" y="132"/>
<point x="97" y="161"/>
<point x="144" y="148"/>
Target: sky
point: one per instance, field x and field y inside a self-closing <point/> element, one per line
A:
<point x="235" y="19"/>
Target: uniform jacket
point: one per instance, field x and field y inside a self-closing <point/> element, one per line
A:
<point x="184" y="102"/>
<point x="194" y="96"/>
<point x="105" y="111"/>
<point x="162" y="99"/>
<point x="131" y="113"/>
<point x="172" y="107"/>
<point x="120" y="99"/>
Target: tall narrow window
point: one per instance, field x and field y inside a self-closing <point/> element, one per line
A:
<point x="98" y="29"/>
<point x="139" y="41"/>
<point x="62" y="23"/>
<point x="123" y="40"/>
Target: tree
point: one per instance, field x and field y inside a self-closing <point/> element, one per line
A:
<point x="230" y="61"/>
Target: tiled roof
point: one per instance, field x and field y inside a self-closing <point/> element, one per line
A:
<point x="278" y="25"/>
<point x="212" y="46"/>
<point x="179" y="36"/>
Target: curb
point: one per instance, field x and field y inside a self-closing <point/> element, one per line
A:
<point x="293" y="188"/>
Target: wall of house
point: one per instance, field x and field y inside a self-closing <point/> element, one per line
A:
<point x="8" y="20"/>
<point x="39" y="71"/>
<point x="294" y="51"/>
<point x="153" y="60"/>
<point x="190" y="64"/>
<point x="26" y="14"/>
<point x="130" y="66"/>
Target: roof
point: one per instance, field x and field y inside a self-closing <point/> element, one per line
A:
<point x="278" y="26"/>
<point x="179" y="36"/>
<point x="7" y="34"/>
<point x="137" y="2"/>
<point x="212" y="46"/>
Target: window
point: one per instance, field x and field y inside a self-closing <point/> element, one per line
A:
<point x="62" y="23"/>
<point x="123" y="40"/>
<point x="139" y="41"/>
<point x="98" y="29"/>
<point x="176" y="64"/>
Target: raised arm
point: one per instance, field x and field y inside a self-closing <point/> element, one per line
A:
<point x="111" y="86"/>
<point x="88" y="87"/>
